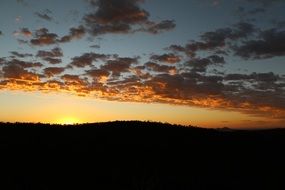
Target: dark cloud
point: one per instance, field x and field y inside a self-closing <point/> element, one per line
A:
<point x="24" y="32"/>
<point x="75" y="33"/>
<point x="259" y="77"/>
<point x="119" y="65"/>
<point x="45" y="15"/>
<point x="270" y="43"/>
<point x="1" y="33"/>
<point x="87" y="59"/>
<point x="162" y="26"/>
<point x="51" y="56"/>
<point x="43" y="37"/>
<point x="201" y="64"/>
<point x="55" y="52"/>
<point x="124" y="79"/>
<point x="99" y="75"/>
<point x="52" y="60"/>
<point x="2" y="61"/>
<point x="160" y="68"/>
<point x="23" y="64"/>
<point x="112" y="16"/>
<point x="16" y="71"/>
<point x="73" y="80"/>
<point x="124" y="16"/>
<point x="52" y="71"/>
<point x="166" y="58"/>
<point x="21" y="55"/>
<point x="95" y="46"/>
<point x="216" y="40"/>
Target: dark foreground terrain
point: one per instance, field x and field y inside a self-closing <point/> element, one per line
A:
<point x="139" y="156"/>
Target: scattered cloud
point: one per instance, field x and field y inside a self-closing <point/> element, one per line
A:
<point x="201" y="64"/>
<point x="160" y="68"/>
<point x="75" y="33"/>
<point x="178" y="75"/>
<point x="24" y="32"/>
<point x="45" y="15"/>
<point x="166" y="58"/>
<point x="52" y="71"/>
<point x="17" y="71"/>
<point x="43" y="37"/>
<point x="95" y="46"/>
<point x="119" y="65"/>
<point x="124" y="16"/>
<point x="270" y="43"/>
<point x="156" y="28"/>
<point x="55" y="52"/>
<point x="52" y="60"/>
<point x="21" y="55"/>
<point x="87" y="59"/>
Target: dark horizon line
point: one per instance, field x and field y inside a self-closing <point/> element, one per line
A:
<point x="146" y="121"/>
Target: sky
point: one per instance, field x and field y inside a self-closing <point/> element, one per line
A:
<point x="208" y="63"/>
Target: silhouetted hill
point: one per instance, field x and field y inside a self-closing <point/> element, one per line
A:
<point x="140" y="156"/>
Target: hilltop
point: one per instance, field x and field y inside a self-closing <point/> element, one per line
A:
<point x="139" y="155"/>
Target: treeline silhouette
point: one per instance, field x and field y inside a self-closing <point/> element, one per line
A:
<point x="139" y="156"/>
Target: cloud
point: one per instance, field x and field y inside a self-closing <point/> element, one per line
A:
<point x="23" y="64"/>
<point x="75" y="33"/>
<point x="17" y="71"/>
<point x="24" y="32"/>
<point x="201" y="64"/>
<point x="160" y="68"/>
<point x="45" y="15"/>
<point x="1" y="33"/>
<point x="119" y="65"/>
<point x="2" y="61"/>
<point x="87" y="59"/>
<point x="51" y="56"/>
<point x="98" y="75"/>
<point x="43" y="37"/>
<point x="95" y="46"/>
<point x="52" y="71"/>
<point x="156" y="28"/>
<point x="21" y="55"/>
<point x="216" y="40"/>
<point x="124" y="16"/>
<point x="52" y="60"/>
<point x="55" y="52"/>
<point x="258" y="77"/>
<point x="73" y="80"/>
<point x="125" y="79"/>
<point x="166" y="58"/>
<point x="270" y="43"/>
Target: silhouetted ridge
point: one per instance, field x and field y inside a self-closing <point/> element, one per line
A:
<point x="139" y="155"/>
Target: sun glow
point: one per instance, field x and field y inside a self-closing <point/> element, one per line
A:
<point x="68" y="121"/>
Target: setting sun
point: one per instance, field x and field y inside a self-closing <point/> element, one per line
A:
<point x="68" y="121"/>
